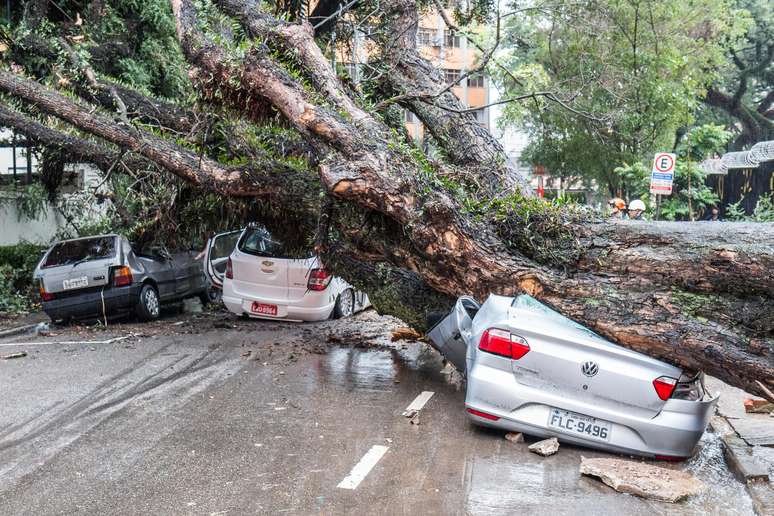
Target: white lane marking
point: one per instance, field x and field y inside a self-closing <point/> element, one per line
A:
<point x="65" y="342"/>
<point x="363" y="467"/>
<point x="419" y="402"/>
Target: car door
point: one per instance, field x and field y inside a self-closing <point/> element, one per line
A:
<point x="217" y="252"/>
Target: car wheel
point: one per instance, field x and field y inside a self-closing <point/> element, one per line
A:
<point x="345" y="304"/>
<point x="211" y="295"/>
<point x="148" y="306"/>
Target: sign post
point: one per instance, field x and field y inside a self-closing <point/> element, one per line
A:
<point x="663" y="173"/>
<point x="661" y="176"/>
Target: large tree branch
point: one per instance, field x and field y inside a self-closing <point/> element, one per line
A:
<point x="255" y="180"/>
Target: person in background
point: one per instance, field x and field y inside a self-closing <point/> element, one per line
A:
<point x="636" y="209"/>
<point x="617" y="207"/>
<point x="713" y="214"/>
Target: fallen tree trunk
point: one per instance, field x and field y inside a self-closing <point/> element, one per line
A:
<point x="697" y="295"/>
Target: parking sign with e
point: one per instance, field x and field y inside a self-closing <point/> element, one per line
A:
<point x="663" y="173"/>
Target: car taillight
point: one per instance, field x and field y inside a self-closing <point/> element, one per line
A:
<point x="503" y="343"/>
<point x="664" y="386"/>
<point x="670" y="458"/>
<point x="318" y="279"/>
<point x="483" y="414"/>
<point x="229" y="269"/>
<point x="122" y="276"/>
<point x="45" y="296"/>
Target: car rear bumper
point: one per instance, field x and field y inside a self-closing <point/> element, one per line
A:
<point x="311" y="307"/>
<point x="89" y="304"/>
<point x="673" y="432"/>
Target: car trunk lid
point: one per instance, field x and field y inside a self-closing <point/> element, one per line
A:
<point x="568" y="358"/>
<point x="73" y="265"/>
<point x="258" y="272"/>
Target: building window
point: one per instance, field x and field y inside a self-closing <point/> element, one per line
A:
<point x="476" y="81"/>
<point x="451" y="75"/>
<point x="480" y="115"/>
<point x="451" y="39"/>
<point x="425" y="37"/>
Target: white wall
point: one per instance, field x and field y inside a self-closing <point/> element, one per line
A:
<point x="13" y="230"/>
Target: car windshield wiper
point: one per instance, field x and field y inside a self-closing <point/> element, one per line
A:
<point x="86" y="259"/>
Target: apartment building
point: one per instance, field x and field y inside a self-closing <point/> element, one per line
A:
<point x="454" y="56"/>
<point x="449" y="52"/>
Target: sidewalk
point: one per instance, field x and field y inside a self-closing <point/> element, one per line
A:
<point x="748" y="440"/>
<point x="15" y="325"/>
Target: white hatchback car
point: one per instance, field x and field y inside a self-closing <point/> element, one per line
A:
<point x="258" y="278"/>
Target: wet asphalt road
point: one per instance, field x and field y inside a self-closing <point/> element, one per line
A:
<point x="268" y="418"/>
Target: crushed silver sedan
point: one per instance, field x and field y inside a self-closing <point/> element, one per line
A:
<point x="529" y="369"/>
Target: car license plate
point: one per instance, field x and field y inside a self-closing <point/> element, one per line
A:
<point x="263" y="309"/>
<point x="70" y="284"/>
<point x="575" y="423"/>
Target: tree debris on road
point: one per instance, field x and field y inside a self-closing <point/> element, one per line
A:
<point x="405" y="333"/>
<point x="20" y="354"/>
<point x="514" y="437"/>
<point x="545" y="447"/>
<point x="643" y="479"/>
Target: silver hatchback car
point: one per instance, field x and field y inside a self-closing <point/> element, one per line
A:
<point x="530" y="369"/>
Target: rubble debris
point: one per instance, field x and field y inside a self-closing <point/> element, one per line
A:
<point x="545" y="447"/>
<point x="247" y="353"/>
<point x="757" y="406"/>
<point x="405" y="333"/>
<point x="514" y="437"/>
<point x="43" y="329"/>
<point x="20" y="354"/>
<point x="643" y="479"/>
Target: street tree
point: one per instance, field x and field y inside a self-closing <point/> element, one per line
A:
<point x="329" y="164"/>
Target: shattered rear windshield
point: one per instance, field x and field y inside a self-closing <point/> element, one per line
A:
<point x="71" y="252"/>
<point x="258" y="242"/>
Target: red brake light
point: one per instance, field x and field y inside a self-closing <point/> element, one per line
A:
<point x="670" y="458"/>
<point x="483" y="414"/>
<point x="46" y="296"/>
<point x="122" y="276"/>
<point x="664" y="386"/>
<point x="229" y="269"/>
<point x="501" y="342"/>
<point x="318" y="279"/>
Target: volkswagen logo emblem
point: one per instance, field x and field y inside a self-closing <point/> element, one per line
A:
<point x="589" y="368"/>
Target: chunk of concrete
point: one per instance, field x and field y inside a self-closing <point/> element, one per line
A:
<point x="515" y="437"/>
<point x="643" y="479"/>
<point x="546" y="447"/>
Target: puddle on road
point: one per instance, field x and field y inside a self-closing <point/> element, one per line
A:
<point x="378" y="370"/>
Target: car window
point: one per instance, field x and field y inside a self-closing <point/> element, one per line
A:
<point x="258" y="242"/>
<point x="76" y="251"/>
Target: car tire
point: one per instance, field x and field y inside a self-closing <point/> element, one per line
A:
<point x="345" y="304"/>
<point x="149" y="304"/>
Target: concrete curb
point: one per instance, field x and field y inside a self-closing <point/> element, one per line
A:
<point x="10" y="332"/>
<point x="745" y="466"/>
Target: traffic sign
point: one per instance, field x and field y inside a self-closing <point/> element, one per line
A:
<point x="663" y="173"/>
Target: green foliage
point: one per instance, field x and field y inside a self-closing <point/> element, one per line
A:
<point x="32" y="202"/>
<point x="17" y="262"/>
<point x="633" y="77"/>
<point x="763" y="212"/>
<point x="150" y="57"/>
<point x="538" y="228"/>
